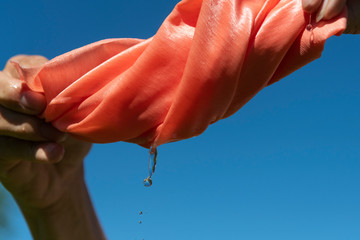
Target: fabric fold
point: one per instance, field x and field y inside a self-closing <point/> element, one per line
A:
<point x="207" y="60"/>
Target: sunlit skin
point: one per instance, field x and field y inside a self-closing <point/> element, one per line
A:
<point x="43" y="168"/>
<point x="33" y="153"/>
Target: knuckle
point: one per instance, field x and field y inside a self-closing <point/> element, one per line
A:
<point x="28" y="60"/>
<point x="10" y="90"/>
<point x="10" y="68"/>
<point x="26" y="128"/>
<point x="12" y="65"/>
<point x="16" y="58"/>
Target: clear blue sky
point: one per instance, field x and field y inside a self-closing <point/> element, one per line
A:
<point x="286" y="166"/>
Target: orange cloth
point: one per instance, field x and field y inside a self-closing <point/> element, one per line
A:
<point x="207" y="60"/>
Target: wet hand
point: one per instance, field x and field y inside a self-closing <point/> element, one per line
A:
<point x="37" y="162"/>
<point x="327" y="9"/>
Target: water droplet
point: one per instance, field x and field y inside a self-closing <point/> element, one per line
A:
<point x="147" y="182"/>
<point x="151" y="167"/>
<point x="152" y="161"/>
<point x="309" y="27"/>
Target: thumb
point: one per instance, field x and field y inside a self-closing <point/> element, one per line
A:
<point x="24" y="61"/>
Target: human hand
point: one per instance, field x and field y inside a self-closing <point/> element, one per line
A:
<point x="327" y="9"/>
<point x="40" y="166"/>
<point x="37" y="162"/>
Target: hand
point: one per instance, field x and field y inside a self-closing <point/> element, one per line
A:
<point x="37" y="162"/>
<point x="40" y="166"/>
<point x="327" y="9"/>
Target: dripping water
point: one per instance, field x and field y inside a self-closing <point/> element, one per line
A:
<point x="151" y="166"/>
<point x="309" y="27"/>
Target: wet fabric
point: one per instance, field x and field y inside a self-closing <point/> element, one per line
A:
<point x="205" y="62"/>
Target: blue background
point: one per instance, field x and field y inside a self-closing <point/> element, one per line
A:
<point x="286" y="166"/>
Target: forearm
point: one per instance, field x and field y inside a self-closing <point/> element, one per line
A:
<point x="72" y="218"/>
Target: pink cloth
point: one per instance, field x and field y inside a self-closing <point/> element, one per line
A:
<point x="206" y="61"/>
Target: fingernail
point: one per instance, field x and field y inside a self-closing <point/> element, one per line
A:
<point x="33" y="102"/>
<point x="51" y="133"/>
<point x="49" y="152"/>
<point x="319" y="16"/>
<point x="321" y="13"/>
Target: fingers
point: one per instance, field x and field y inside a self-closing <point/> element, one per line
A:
<point x="326" y="9"/>
<point x="24" y="61"/>
<point x="330" y="9"/>
<point x="14" y="95"/>
<point x="24" y="136"/>
<point x="311" y="6"/>
<point x="13" y="149"/>
<point x="15" y="110"/>
<point x="26" y="127"/>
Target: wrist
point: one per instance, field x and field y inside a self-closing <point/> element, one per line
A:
<point x="71" y="217"/>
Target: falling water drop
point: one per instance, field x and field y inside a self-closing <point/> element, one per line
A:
<point x="309" y="27"/>
<point x="147" y="182"/>
<point x="151" y="166"/>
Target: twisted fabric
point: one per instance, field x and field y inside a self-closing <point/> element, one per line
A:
<point x="206" y="61"/>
